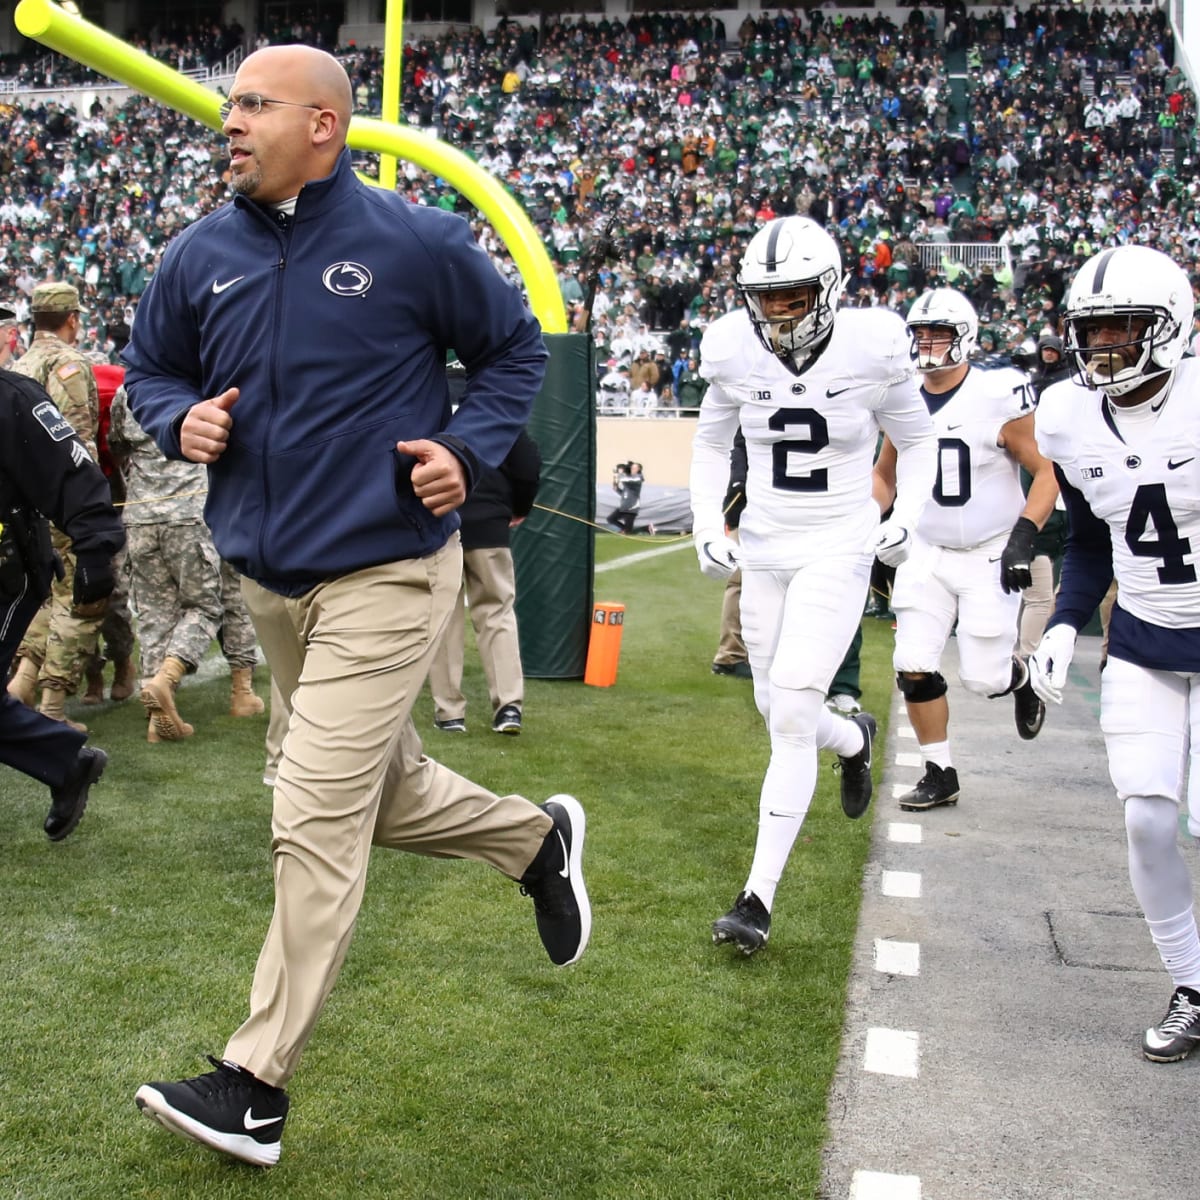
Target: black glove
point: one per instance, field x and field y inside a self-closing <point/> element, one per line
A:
<point x="735" y="501"/>
<point x="1015" y="575"/>
<point x="94" y="581"/>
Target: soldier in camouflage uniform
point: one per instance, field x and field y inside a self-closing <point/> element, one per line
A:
<point x="179" y="586"/>
<point x="62" y="637"/>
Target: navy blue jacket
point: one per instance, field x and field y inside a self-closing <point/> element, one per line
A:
<point x="335" y="326"/>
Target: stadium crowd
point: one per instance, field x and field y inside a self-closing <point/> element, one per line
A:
<point x="676" y="138"/>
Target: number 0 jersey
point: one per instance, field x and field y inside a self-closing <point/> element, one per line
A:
<point x="977" y="494"/>
<point x="810" y="438"/>
<point x="1147" y="493"/>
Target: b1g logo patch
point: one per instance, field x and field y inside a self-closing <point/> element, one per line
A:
<point x="52" y="421"/>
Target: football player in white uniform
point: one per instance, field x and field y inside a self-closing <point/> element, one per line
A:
<point x="974" y="541"/>
<point x="1124" y="435"/>
<point x="810" y="393"/>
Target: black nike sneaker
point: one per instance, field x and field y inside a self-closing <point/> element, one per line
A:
<point x="228" y="1109"/>
<point x="856" y="770"/>
<point x="938" y="786"/>
<point x="554" y="882"/>
<point x="747" y="924"/>
<point x="1178" y="1033"/>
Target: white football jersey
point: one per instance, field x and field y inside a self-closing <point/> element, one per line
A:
<point x="810" y="438"/>
<point x="1148" y="494"/>
<point x="977" y="494"/>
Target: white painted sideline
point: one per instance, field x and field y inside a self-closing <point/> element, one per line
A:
<point x="643" y="555"/>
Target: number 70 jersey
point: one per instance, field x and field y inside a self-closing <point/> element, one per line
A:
<point x="1147" y="490"/>
<point x="810" y="438"/>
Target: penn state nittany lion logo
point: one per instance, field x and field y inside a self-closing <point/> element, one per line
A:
<point x="347" y="279"/>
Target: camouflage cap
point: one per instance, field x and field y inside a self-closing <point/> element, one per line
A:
<point x="55" y="298"/>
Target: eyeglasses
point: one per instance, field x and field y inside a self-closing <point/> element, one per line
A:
<point x="251" y="104"/>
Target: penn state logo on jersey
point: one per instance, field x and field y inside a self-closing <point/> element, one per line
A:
<point x="347" y="279"/>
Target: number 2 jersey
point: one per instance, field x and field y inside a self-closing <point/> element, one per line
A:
<point x="1132" y="494"/>
<point x="977" y="493"/>
<point x="810" y="438"/>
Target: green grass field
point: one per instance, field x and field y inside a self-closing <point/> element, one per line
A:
<point x="452" y="1060"/>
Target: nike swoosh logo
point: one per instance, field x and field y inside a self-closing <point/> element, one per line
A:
<point x="252" y="1123"/>
<point x="566" y="869"/>
<point x="996" y="559"/>
<point x="951" y="428"/>
<point x="789" y="816"/>
<point x="831" y="392"/>
<point x="218" y="288"/>
<point x="1172" y="465"/>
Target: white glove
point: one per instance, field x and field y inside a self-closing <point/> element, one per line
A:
<point x="890" y="543"/>
<point x="718" y="555"/>
<point x="1049" y="662"/>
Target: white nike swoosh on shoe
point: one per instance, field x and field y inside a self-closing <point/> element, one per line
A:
<point x="218" y="288"/>
<point x="566" y="867"/>
<point x="251" y="1122"/>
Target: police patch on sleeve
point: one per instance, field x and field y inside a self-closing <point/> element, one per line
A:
<point x="52" y="421"/>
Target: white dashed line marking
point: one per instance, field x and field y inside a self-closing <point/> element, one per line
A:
<point x="877" y="1185"/>
<point x="897" y="958"/>
<point x="904" y="884"/>
<point x="892" y="1052"/>
<point x="904" y="831"/>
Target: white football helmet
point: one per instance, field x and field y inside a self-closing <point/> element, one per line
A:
<point x="1131" y="282"/>
<point x="949" y="309"/>
<point x="785" y="255"/>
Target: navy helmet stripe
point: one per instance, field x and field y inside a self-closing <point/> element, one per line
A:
<point x="1101" y="267"/>
<point x="772" y="242"/>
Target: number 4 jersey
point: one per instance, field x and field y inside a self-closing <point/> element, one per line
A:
<point x="1141" y="479"/>
<point x="810" y="438"/>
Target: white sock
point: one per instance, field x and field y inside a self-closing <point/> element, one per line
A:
<point x="937" y="753"/>
<point x="839" y="734"/>
<point x="1178" y="946"/>
<point x="787" y="787"/>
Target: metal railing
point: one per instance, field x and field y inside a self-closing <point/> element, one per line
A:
<point x="972" y="255"/>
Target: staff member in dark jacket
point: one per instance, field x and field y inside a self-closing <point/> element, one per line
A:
<point x="45" y="468"/>
<point x="295" y="341"/>
<point x="502" y="499"/>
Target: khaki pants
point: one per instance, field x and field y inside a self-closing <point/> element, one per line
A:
<point x="730" y="647"/>
<point x="490" y="589"/>
<point x="61" y="643"/>
<point x="352" y="655"/>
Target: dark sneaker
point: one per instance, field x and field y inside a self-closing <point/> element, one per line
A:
<point x="1178" y="1033"/>
<point x="453" y="725"/>
<point x="68" y="801"/>
<point x="1030" y="709"/>
<point x="856" y="770"/>
<point x="740" y="669"/>
<point x="228" y="1110"/>
<point x="747" y="924"/>
<point x="507" y="720"/>
<point x="554" y="882"/>
<point x="938" y="786"/>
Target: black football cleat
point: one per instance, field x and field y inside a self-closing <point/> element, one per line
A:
<point x="938" y="786"/>
<point x="856" y="770"/>
<point x="1178" y="1033"/>
<point x="747" y="924"/>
